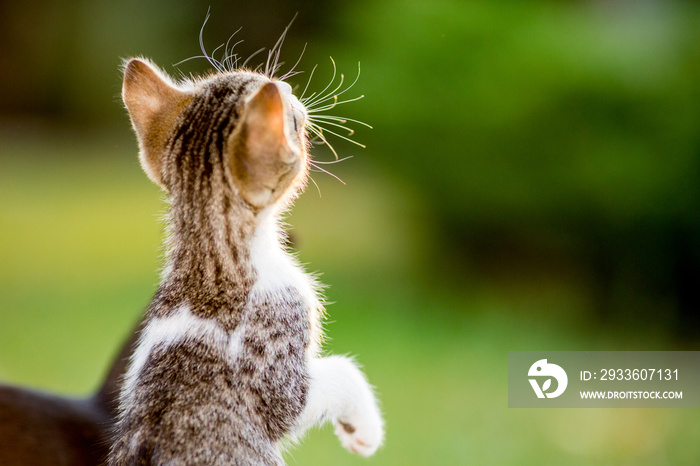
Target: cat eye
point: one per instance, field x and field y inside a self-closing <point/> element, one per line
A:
<point x="297" y="116"/>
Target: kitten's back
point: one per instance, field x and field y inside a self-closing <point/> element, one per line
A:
<point x="38" y="428"/>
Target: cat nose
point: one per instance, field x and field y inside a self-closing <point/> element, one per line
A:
<point x="284" y="87"/>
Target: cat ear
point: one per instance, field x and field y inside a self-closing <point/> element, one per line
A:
<point x="154" y="104"/>
<point x="262" y="160"/>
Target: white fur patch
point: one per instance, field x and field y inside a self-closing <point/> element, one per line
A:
<point x="275" y="268"/>
<point x="166" y="331"/>
<point x="340" y="393"/>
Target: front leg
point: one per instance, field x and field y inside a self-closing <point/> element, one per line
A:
<point x="339" y="392"/>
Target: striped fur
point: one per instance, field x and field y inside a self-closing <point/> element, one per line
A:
<point x="226" y="365"/>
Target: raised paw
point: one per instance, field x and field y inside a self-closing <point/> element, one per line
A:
<point x="361" y="434"/>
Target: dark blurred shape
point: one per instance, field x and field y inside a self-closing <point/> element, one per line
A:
<point x="39" y="428"/>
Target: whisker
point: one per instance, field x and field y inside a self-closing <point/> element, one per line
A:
<point x="318" y="132"/>
<point x="213" y="53"/>
<point x="230" y="59"/>
<point x="334" y="95"/>
<point x="330" y="106"/>
<point x="330" y="95"/>
<point x="272" y="64"/>
<point x="350" y="131"/>
<point x="291" y="71"/>
<point x="251" y="56"/>
<point x="327" y="99"/>
<point x="305" y="102"/>
<point x="231" y="37"/>
<point x="276" y="50"/>
<point x="330" y="162"/>
<point x="353" y="83"/>
<point x="343" y="137"/>
<point x="315" y="141"/>
<point x="183" y="76"/>
<point x="315" y="184"/>
<point x="211" y="60"/>
<point x="301" y="99"/>
<point x="339" y="119"/>
<point x="321" y="169"/>
<point x="290" y="74"/>
<point x="190" y="58"/>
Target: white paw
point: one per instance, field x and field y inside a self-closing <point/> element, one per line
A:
<point x="361" y="434"/>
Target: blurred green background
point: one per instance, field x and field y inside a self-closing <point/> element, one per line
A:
<point x="531" y="183"/>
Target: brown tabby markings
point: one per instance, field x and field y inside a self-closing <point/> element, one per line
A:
<point x="217" y="279"/>
<point x="195" y="400"/>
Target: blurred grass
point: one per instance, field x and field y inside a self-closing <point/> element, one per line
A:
<point x="79" y="254"/>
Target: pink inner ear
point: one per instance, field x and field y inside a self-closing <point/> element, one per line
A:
<point x="266" y="112"/>
<point x="153" y="105"/>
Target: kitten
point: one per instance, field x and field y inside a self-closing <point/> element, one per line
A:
<point x="227" y="364"/>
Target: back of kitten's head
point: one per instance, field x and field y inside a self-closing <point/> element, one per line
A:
<point x="240" y="125"/>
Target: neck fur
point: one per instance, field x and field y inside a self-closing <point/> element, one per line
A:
<point x="209" y="265"/>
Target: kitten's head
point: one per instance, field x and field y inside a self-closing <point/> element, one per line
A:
<point x="238" y="130"/>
